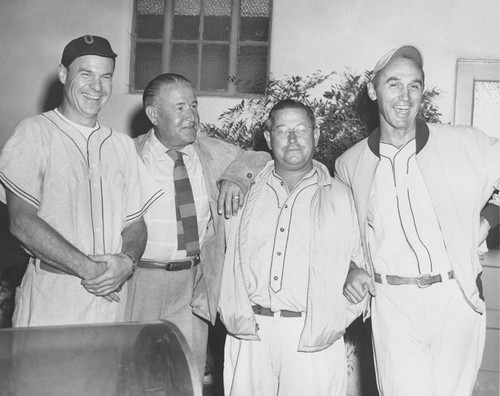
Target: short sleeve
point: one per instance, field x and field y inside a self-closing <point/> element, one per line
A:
<point x="143" y="190"/>
<point x="23" y="163"/>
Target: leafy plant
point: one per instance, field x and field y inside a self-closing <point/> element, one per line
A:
<point x="345" y="114"/>
<point x="243" y="123"/>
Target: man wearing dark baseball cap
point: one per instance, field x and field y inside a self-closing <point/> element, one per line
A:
<point x="86" y="45"/>
<point x="75" y="192"/>
<point x="419" y="189"/>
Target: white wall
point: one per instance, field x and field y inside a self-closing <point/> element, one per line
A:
<point x="33" y="34"/>
<point x="332" y="34"/>
<point x="307" y="35"/>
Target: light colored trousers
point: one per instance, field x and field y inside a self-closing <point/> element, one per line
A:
<point x="426" y="341"/>
<point x="272" y="366"/>
<point x="49" y="299"/>
<point x="158" y="294"/>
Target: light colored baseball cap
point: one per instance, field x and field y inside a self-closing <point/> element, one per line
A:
<point x="405" y="51"/>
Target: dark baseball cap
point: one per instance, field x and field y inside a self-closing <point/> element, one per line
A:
<point x="405" y="51"/>
<point x="86" y="45"/>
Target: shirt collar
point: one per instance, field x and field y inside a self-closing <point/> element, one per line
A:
<point x="82" y="128"/>
<point x="159" y="151"/>
<point x="421" y="138"/>
<point x="276" y="179"/>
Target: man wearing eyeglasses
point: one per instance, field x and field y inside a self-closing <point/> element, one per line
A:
<point x="288" y="253"/>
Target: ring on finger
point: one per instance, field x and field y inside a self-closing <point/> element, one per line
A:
<point x="235" y="197"/>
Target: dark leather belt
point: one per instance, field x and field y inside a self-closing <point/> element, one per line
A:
<point x="258" y="310"/>
<point x="421" y="281"/>
<point x="171" y="265"/>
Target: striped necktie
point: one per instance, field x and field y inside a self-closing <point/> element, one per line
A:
<point x="187" y="223"/>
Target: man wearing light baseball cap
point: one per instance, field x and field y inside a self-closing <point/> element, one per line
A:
<point x="419" y="189"/>
<point x="76" y="192"/>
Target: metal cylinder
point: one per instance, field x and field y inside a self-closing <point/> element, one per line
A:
<point x="125" y="359"/>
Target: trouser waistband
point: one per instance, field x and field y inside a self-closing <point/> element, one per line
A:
<point x="171" y="265"/>
<point x="421" y="281"/>
<point x="258" y="310"/>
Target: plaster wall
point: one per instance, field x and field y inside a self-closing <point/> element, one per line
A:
<point x="326" y="35"/>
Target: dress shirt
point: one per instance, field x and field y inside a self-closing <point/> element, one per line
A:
<point x="161" y="219"/>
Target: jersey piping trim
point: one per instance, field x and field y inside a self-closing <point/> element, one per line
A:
<point x="18" y="191"/>
<point x="146" y="206"/>
<point x="103" y="222"/>
<point x="66" y="134"/>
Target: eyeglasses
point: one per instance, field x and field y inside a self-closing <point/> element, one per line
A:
<point x="299" y="131"/>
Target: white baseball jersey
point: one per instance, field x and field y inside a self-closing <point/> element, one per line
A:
<point x="87" y="190"/>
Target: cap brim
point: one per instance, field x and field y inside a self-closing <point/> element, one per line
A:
<point x="405" y="51"/>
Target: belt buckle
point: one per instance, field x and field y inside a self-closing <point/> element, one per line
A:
<point x="422" y="278"/>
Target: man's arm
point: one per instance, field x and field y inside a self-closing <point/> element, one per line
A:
<point x="45" y="242"/>
<point x="135" y="237"/>
<point x="120" y="266"/>
<point x="358" y="284"/>
<point x="236" y="180"/>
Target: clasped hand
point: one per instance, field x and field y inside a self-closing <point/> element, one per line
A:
<point x="357" y="285"/>
<point x="118" y="268"/>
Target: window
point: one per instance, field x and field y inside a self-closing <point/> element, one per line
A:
<point x="477" y="97"/>
<point x="222" y="46"/>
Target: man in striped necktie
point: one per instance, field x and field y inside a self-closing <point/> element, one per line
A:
<point x="185" y="228"/>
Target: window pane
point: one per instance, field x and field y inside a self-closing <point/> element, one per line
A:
<point x="149" y="19"/>
<point x="149" y="26"/>
<point x="156" y="7"/>
<point x="486" y="104"/>
<point x="186" y="20"/>
<point x="251" y="70"/>
<point x="217" y="20"/>
<point x="184" y="61"/>
<point x="254" y="22"/>
<point x="147" y="63"/>
<point x="187" y="7"/>
<point x="186" y="27"/>
<point x="214" y="67"/>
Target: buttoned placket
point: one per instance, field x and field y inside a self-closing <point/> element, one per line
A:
<point x="285" y="202"/>
<point x="96" y="194"/>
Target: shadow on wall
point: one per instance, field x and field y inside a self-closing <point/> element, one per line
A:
<point x="139" y="123"/>
<point x="53" y="94"/>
